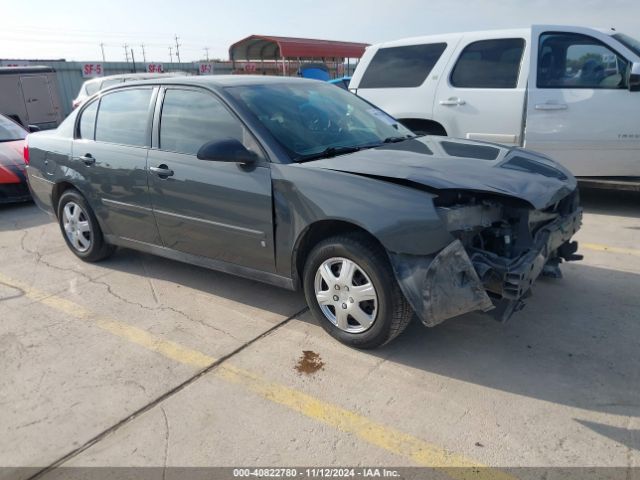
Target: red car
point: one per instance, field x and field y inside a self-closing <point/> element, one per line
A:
<point x="13" y="180"/>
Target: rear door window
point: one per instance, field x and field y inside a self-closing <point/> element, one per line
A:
<point x="123" y="117"/>
<point x="401" y="67"/>
<point x="489" y="64"/>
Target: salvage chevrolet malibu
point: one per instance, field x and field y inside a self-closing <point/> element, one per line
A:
<point x="303" y="185"/>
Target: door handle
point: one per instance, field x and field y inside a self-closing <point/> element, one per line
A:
<point x="453" y="101"/>
<point x="552" y="106"/>
<point x="88" y="159"/>
<point x="162" y="171"/>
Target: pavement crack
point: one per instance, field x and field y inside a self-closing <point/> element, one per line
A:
<point x="165" y="396"/>
<point x="21" y="292"/>
<point x="166" y="443"/>
<point x="159" y="308"/>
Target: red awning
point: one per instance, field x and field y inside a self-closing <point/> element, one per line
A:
<point x="260" y="47"/>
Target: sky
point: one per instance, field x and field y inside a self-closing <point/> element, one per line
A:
<point x="74" y="29"/>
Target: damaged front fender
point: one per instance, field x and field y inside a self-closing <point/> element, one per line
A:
<point x="442" y="286"/>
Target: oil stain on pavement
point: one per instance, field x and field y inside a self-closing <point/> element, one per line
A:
<point x="309" y="363"/>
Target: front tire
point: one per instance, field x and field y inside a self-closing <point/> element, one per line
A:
<point x="351" y="290"/>
<point x="80" y="228"/>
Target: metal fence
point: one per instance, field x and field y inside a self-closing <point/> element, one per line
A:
<point x="70" y="74"/>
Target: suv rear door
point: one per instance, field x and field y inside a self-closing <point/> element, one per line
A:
<point x="482" y="94"/>
<point x="214" y="209"/>
<point x="580" y="110"/>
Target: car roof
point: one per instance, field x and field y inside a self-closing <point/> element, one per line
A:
<point x="135" y="76"/>
<point x="503" y="33"/>
<point x="219" y="81"/>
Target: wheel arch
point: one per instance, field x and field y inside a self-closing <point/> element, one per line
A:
<point x="57" y="191"/>
<point x="316" y="232"/>
<point x="424" y="126"/>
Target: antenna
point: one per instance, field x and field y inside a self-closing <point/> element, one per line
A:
<point x="144" y="56"/>
<point x="102" y="48"/>
<point x="206" y="50"/>
<point x="171" y="54"/>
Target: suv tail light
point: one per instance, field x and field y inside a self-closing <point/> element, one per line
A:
<point x="25" y="150"/>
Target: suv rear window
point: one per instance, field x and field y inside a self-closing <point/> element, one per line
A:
<point x="401" y="67"/>
<point x="489" y="64"/>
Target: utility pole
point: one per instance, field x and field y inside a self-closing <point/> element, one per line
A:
<point x="171" y="54"/>
<point x="133" y="60"/>
<point x="144" y="56"/>
<point x="102" y="48"/>
<point x="126" y="51"/>
<point x="206" y="50"/>
<point x="178" y="48"/>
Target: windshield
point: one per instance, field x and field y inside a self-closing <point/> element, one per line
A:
<point x="631" y="43"/>
<point x="313" y="118"/>
<point x="10" y="131"/>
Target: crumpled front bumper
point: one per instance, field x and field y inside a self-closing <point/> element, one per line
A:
<point x="459" y="280"/>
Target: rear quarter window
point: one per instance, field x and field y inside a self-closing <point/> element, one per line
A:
<point x="91" y="87"/>
<point x="401" y="67"/>
<point x="489" y="64"/>
<point x="87" y="125"/>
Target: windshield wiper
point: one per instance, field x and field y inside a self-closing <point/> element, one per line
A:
<point x="397" y="139"/>
<point x="328" y="153"/>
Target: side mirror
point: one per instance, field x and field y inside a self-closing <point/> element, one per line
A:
<point x="634" y="77"/>
<point x="34" y="128"/>
<point x="227" y="150"/>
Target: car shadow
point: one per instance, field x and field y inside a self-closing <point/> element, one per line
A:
<point x="628" y="438"/>
<point x="216" y="284"/>
<point x="20" y="216"/>
<point x="610" y="202"/>
<point x="576" y="343"/>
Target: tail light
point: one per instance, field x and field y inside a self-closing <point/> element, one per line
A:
<point x="25" y="150"/>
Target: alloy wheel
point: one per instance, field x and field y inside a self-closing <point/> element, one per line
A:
<point x="77" y="226"/>
<point x="346" y="295"/>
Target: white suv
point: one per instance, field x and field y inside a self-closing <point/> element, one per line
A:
<point x="570" y="92"/>
<point x="94" y="85"/>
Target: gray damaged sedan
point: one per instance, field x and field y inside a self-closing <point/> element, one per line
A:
<point x="303" y="185"/>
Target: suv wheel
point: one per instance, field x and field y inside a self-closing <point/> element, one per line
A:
<point x="80" y="228"/>
<point x="351" y="289"/>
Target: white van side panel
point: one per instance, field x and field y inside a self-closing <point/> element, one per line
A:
<point x="11" y="100"/>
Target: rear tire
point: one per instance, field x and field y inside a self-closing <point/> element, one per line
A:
<point x="80" y="228"/>
<point x="370" y="309"/>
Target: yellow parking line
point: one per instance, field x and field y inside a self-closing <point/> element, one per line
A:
<point x="402" y="444"/>
<point x="605" y="248"/>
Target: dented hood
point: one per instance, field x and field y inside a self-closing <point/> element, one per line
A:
<point x="443" y="163"/>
